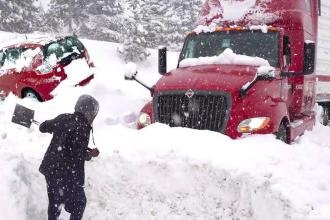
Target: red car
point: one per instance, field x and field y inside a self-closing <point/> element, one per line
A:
<point x="36" y="67"/>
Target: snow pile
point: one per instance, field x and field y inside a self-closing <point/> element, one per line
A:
<point x="227" y="57"/>
<point x="263" y="28"/>
<point x="253" y="12"/>
<point x="130" y="70"/>
<point x="161" y="172"/>
<point x="262" y="71"/>
<point x="236" y="10"/>
<point x="266" y="71"/>
<point x="212" y="9"/>
<point x="205" y="29"/>
<point x="76" y="71"/>
<point x="215" y="11"/>
<point x="259" y="14"/>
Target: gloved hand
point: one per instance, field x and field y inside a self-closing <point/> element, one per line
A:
<point x="95" y="152"/>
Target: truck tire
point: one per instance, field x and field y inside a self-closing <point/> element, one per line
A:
<point x="29" y="93"/>
<point x="325" y="115"/>
<point x="282" y="133"/>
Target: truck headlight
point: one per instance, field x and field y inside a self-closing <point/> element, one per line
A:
<point x="253" y="124"/>
<point x="144" y="119"/>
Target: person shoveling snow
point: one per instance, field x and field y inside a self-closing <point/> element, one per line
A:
<point x="64" y="160"/>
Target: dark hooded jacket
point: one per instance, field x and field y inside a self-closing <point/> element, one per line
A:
<point x="66" y="155"/>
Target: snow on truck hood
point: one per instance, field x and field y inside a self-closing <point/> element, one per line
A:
<point x="227" y="72"/>
<point x="227" y="57"/>
<point x="224" y="77"/>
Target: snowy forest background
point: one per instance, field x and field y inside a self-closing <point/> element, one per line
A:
<point x="137" y="24"/>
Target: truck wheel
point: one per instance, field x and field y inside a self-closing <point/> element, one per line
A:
<point x="29" y="93"/>
<point x="325" y="115"/>
<point x="282" y="133"/>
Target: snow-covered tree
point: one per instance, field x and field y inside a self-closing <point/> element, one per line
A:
<point x="153" y="16"/>
<point x="20" y="16"/>
<point x="105" y="20"/>
<point x="169" y="21"/>
<point x="134" y="33"/>
<point x="138" y="24"/>
<point x="180" y="20"/>
<point x="66" y="16"/>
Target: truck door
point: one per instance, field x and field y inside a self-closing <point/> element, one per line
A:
<point x="287" y="81"/>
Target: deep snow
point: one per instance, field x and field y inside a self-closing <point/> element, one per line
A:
<point x="161" y="172"/>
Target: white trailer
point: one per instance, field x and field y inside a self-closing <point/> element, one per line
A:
<point x="323" y="61"/>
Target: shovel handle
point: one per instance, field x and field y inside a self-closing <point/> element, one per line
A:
<point x="35" y="122"/>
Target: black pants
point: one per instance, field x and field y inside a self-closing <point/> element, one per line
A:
<point x="62" y="192"/>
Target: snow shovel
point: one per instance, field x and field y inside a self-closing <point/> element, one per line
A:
<point x="23" y="116"/>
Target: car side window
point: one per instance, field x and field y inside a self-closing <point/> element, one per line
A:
<point x="13" y="54"/>
<point x="2" y="58"/>
<point x="14" y="58"/>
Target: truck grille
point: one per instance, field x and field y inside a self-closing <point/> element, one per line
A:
<point x="202" y="111"/>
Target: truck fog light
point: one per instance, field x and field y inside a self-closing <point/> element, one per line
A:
<point x="144" y="119"/>
<point x="253" y="124"/>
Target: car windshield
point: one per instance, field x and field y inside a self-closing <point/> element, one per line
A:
<point x="63" y="48"/>
<point x="250" y="43"/>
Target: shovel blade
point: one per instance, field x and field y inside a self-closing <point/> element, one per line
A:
<point x="23" y="116"/>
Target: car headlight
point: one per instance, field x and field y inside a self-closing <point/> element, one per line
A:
<point x="144" y="119"/>
<point x="253" y="124"/>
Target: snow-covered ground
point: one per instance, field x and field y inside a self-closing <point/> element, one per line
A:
<point x="161" y="172"/>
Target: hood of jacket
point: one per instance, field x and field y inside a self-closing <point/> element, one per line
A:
<point x="88" y="106"/>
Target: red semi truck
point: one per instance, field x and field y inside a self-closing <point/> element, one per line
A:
<point x="240" y="74"/>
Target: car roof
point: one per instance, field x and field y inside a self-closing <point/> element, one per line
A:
<point x="31" y="42"/>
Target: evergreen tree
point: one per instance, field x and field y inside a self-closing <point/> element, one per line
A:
<point x="67" y="16"/>
<point x="153" y="17"/>
<point x="105" y="20"/>
<point x="138" y="24"/>
<point x="19" y="16"/>
<point x="180" y="20"/>
<point x="134" y="33"/>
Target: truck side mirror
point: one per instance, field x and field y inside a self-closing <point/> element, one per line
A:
<point x="162" y="60"/>
<point x="131" y="74"/>
<point x="309" y="58"/>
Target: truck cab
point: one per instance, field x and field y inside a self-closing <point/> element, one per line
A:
<point x="249" y="75"/>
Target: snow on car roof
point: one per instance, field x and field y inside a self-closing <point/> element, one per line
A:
<point x="31" y="41"/>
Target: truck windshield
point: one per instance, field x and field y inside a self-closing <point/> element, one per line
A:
<point x="250" y="43"/>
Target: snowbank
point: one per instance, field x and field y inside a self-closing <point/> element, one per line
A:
<point x="161" y="172"/>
